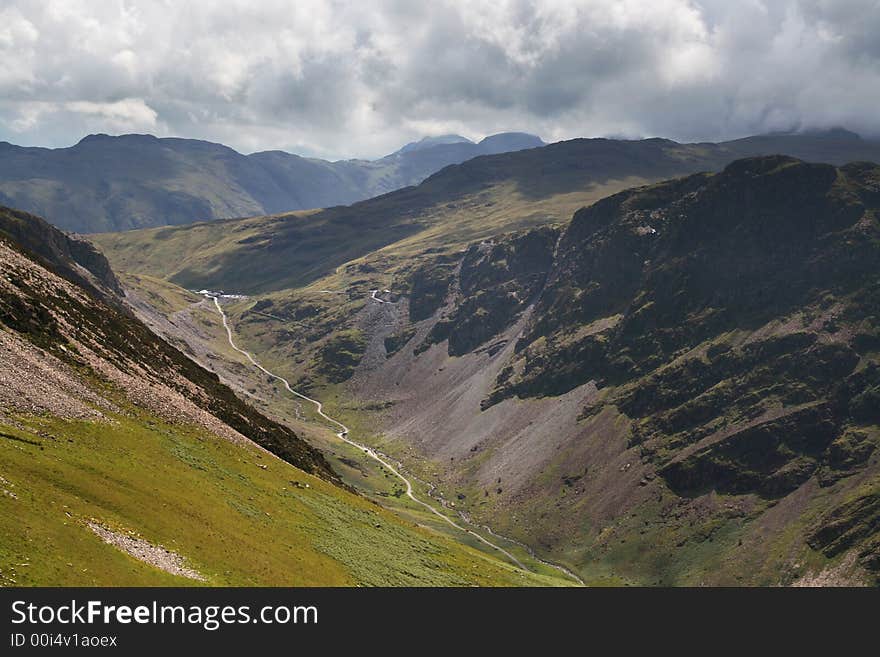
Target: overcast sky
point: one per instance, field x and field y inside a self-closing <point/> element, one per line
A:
<point x="359" y="79"/>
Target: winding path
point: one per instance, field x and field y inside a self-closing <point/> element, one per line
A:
<point x="342" y="434"/>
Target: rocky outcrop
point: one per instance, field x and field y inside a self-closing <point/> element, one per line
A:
<point x="853" y="524"/>
<point x="339" y="355"/>
<point x="74" y="258"/>
<point x="496" y="282"/>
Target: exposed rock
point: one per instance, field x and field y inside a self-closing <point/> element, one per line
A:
<point x="142" y="550"/>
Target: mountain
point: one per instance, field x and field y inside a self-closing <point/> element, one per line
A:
<point x="478" y="198"/>
<point x="75" y="259"/>
<point x="428" y="142"/>
<point x="63" y="304"/>
<point x="106" y="183"/>
<point x="506" y="142"/>
<point x="124" y="462"/>
<point x="677" y="385"/>
<point x="682" y="386"/>
<point x="503" y="142"/>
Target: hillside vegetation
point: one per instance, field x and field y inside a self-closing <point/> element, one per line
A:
<point x="123" y="462"/>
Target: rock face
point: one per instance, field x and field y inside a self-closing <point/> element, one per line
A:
<point x="744" y="319"/>
<point x="496" y="281"/>
<point x="75" y="259"/>
<point x="853" y="524"/>
<point x="730" y="326"/>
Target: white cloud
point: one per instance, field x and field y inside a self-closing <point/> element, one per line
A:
<point x="130" y="113"/>
<point x="345" y="78"/>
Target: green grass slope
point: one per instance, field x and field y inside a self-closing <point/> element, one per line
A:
<point x="235" y="514"/>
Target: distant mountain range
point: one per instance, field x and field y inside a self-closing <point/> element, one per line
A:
<point x="107" y="183"/>
<point x="474" y="200"/>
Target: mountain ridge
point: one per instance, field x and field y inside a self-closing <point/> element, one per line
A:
<point x="106" y="182"/>
<point x="481" y="196"/>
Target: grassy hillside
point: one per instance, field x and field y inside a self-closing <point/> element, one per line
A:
<point x="123" y="462"/>
<point x="236" y="515"/>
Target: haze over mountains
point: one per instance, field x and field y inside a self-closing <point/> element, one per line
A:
<point x="106" y="183"/>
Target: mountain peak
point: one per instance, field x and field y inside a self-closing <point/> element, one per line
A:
<point x="104" y="137"/>
<point x="509" y="137"/>
<point x="759" y="165"/>
<point x="836" y="133"/>
<point x="428" y="142"/>
<point x="505" y="142"/>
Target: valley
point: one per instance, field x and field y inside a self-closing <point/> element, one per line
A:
<point x="123" y="462"/>
<point x="381" y="459"/>
<point x="620" y="370"/>
<point x="299" y="299"/>
<point x="594" y="387"/>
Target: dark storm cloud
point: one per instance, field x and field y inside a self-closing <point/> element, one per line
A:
<point x="360" y="78"/>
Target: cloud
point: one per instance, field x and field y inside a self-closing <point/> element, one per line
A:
<point x="342" y="78"/>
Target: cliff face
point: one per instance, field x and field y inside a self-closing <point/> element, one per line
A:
<point x="496" y="282"/>
<point x="740" y="315"/>
<point x="680" y="262"/>
<point x="73" y="258"/>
